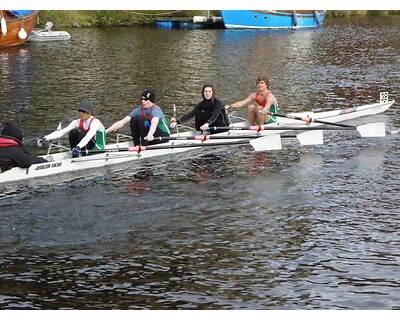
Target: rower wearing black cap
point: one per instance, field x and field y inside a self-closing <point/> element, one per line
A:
<point x="85" y="133"/>
<point x="146" y="121"/>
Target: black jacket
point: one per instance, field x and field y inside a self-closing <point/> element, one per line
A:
<point x="210" y="111"/>
<point x="12" y="152"/>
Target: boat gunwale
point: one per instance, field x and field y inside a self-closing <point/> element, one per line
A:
<point x="13" y="18"/>
<point x="289" y="13"/>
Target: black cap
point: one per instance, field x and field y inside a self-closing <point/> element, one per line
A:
<point x="86" y="105"/>
<point x="149" y="94"/>
<point x="11" y="130"/>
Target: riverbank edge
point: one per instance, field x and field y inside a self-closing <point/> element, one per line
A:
<point x="118" y="18"/>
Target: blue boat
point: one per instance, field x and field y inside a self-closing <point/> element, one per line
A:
<point x="268" y="19"/>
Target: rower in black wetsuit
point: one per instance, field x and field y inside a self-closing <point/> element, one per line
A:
<point x="210" y="111"/>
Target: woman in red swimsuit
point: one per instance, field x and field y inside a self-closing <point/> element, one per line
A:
<point x="260" y="103"/>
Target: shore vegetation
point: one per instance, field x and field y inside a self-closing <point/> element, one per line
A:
<point x="118" y="18"/>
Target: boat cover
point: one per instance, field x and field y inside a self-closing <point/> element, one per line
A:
<point x="19" y="13"/>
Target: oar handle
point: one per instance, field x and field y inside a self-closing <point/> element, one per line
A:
<point x="201" y="137"/>
<point x="172" y="138"/>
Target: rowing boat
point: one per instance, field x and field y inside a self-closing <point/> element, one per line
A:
<point x="121" y="152"/>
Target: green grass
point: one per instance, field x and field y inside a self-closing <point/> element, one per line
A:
<point x="110" y="18"/>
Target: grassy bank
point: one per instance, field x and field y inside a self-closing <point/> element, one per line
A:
<point x="370" y="13"/>
<point x="110" y="18"/>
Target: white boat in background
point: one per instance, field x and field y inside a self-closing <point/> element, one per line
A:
<point x="47" y="34"/>
<point x="267" y="139"/>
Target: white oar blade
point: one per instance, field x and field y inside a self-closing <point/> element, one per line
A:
<point x="311" y="137"/>
<point x="266" y="143"/>
<point x="376" y="129"/>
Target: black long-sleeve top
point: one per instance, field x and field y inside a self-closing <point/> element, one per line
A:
<point x="212" y="107"/>
<point x="13" y="155"/>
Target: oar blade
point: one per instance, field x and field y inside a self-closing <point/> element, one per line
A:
<point x="376" y="129"/>
<point x="311" y="137"/>
<point x="267" y="143"/>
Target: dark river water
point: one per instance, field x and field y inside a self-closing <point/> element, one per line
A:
<point x="301" y="228"/>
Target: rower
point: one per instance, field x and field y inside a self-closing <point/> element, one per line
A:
<point x="85" y="133"/>
<point x="12" y="152"/>
<point x="209" y="111"/>
<point x="262" y="104"/>
<point x="146" y="121"/>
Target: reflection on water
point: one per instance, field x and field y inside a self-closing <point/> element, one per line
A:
<point x="16" y="79"/>
<point x="302" y="228"/>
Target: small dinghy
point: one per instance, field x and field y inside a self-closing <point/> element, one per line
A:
<point x="47" y="34"/>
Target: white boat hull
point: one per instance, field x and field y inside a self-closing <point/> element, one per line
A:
<point x="61" y="162"/>
<point x="338" y="115"/>
<point x="44" y="36"/>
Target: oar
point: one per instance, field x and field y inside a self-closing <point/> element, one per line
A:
<point x="267" y="143"/>
<point x="204" y="137"/>
<point x="376" y="129"/>
<point x="139" y="149"/>
<point x="275" y="128"/>
<point x="273" y="141"/>
<point x="310" y="119"/>
<point x="270" y="142"/>
<point x="305" y="138"/>
<point x="311" y="137"/>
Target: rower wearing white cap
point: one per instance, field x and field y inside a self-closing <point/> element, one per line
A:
<point x="85" y="133"/>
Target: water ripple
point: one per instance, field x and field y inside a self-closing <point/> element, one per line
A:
<point x="303" y="228"/>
